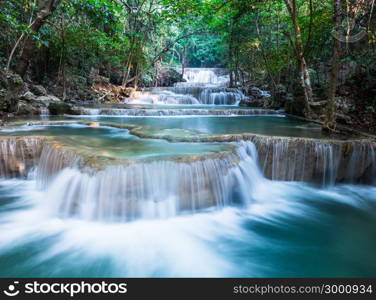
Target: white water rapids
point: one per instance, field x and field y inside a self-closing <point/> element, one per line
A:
<point x="221" y="243"/>
<point x="202" y="87"/>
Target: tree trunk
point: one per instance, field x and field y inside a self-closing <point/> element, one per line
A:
<point x="305" y="79"/>
<point x="266" y="63"/>
<point x="47" y="7"/>
<point x="330" y="120"/>
<point x="128" y="64"/>
<point x="13" y="51"/>
<point x="183" y="62"/>
<point x="306" y="84"/>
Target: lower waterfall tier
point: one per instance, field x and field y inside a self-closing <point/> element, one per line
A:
<point x="188" y="94"/>
<point x="147" y="189"/>
<point x="157" y="188"/>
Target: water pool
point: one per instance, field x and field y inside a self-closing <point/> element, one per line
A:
<point x="290" y="230"/>
<point x="115" y="142"/>
<point x="265" y="125"/>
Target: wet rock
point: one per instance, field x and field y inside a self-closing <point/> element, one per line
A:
<point x="128" y="92"/>
<point x="344" y="105"/>
<point x="319" y="161"/>
<point x="59" y="108"/>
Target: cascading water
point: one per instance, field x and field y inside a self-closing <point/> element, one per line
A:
<point x="74" y="223"/>
<point x="162" y="97"/>
<point x="209" y="87"/>
<point x="203" y="86"/>
<point x="221" y="96"/>
<point x="201" y="215"/>
<point x="142" y="189"/>
<point x="312" y="161"/>
<point x="205" y="76"/>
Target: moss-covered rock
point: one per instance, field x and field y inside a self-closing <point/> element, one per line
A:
<point x="60" y="109"/>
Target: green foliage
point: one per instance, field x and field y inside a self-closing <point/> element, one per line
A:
<point x="252" y="38"/>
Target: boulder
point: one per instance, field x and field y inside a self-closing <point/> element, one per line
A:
<point x="26" y="108"/>
<point x="28" y="96"/>
<point x="46" y="100"/>
<point x="38" y="90"/>
<point x="14" y="88"/>
<point x="59" y="108"/>
<point x="168" y="77"/>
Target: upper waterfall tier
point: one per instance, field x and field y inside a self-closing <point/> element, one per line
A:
<point x="214" y="76"/>
<point x="210" y="95"/>
<point x="186" y="93"/>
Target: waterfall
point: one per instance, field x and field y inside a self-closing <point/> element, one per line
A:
<point x="165" y="188"/>
<point x="44" y="113"/>
<point x="52" y="161"/>
<point x="205" y="76"/>
<point x="203" y="86"/>
<point x="168" y="187"/>
<point x="211" y="95"/>
<point x="325" y="162"/>
<point x="218" y="96"/>
<point x="19" y="154"/>
<point x="154" y="189"/>
<point x="162" y="97"/>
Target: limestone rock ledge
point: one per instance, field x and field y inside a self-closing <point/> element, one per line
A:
<point x="280" y="158"/>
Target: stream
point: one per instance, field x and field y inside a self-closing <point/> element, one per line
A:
<point x="182" y="182"/>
